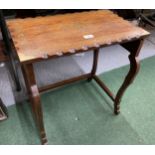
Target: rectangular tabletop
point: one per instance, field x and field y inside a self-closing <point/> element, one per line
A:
<point x="41" y="37"/>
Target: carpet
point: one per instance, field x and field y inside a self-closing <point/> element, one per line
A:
<point x="82" y="114"/>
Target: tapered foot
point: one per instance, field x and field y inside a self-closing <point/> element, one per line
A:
<point x="116" y="112"/>
<point x="44" y="141"/>
<point x="43" y="138"/>
<point x="116" y="109"/>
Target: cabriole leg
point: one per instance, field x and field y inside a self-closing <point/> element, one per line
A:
<point x="134" y="49"/>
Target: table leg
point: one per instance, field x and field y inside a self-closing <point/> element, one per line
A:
<point x="134" y="49"/>
<point x="33" y="91"/>
<point x="95" y="61"/>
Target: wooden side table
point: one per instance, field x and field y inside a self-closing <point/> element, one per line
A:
<point x="51" y="37"/>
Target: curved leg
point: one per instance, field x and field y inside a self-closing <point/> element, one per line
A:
<point x="35" y="99"/>
<point x="95" y="60"/>
<point x="134" y="49"/>
<point x="134" y="68"/>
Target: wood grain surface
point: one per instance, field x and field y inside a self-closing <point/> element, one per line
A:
<point x="43" y="37"/>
